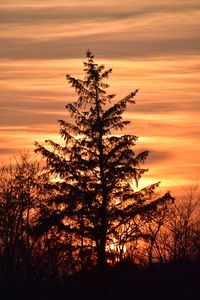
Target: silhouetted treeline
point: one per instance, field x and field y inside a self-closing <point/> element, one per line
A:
<point x="76" y="226"/>
<point x="45" y="265"/>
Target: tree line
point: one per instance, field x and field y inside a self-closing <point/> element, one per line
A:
<point x="30" y="243"/>
<point x="78" y="210"/>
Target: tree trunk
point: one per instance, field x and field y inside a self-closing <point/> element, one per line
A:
<point x="101" y="248"/>
<point x="101" y="255"/>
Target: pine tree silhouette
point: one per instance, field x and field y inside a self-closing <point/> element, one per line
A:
<point x="94" y="200"/>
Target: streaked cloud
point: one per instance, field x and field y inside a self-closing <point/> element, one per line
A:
<point x="105" y="45"/>
<point x="151" y="45"/>
<point x="89" y="10"/>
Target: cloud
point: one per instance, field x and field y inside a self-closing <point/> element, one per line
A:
<point x="156" y="156"/>
<point x="94" y="11"/>
<point x="22" y="117"/>
<point x="8" y="151"/>
<point x="35" y="105"/>
<point x="56" y="108"/>
<point x="194" y="133"/>
<point x="163" y="107"/>
<point x="109" y="46"/>
<point x="159" y="156"/>
<point x="112" y="31"/>
<point x="152" y="45"/>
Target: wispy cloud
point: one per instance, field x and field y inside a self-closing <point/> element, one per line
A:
<point x="152" y="45"/>
<point x="78" y="11"/>
<point x="103" y="45"/>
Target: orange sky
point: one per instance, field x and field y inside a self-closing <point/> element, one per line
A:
<point x="151" y="45"/>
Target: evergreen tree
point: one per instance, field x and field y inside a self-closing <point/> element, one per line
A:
<point x="94" y="199"/>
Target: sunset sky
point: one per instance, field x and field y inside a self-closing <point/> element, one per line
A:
<point x="152" y="45"/>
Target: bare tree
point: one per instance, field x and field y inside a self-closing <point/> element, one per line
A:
<point x="20" y="186"/>
<point x="176" y="232"/>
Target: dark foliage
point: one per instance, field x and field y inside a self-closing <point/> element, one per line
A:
<point x="94" y="200"/>
<point x="53" y="233"/>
